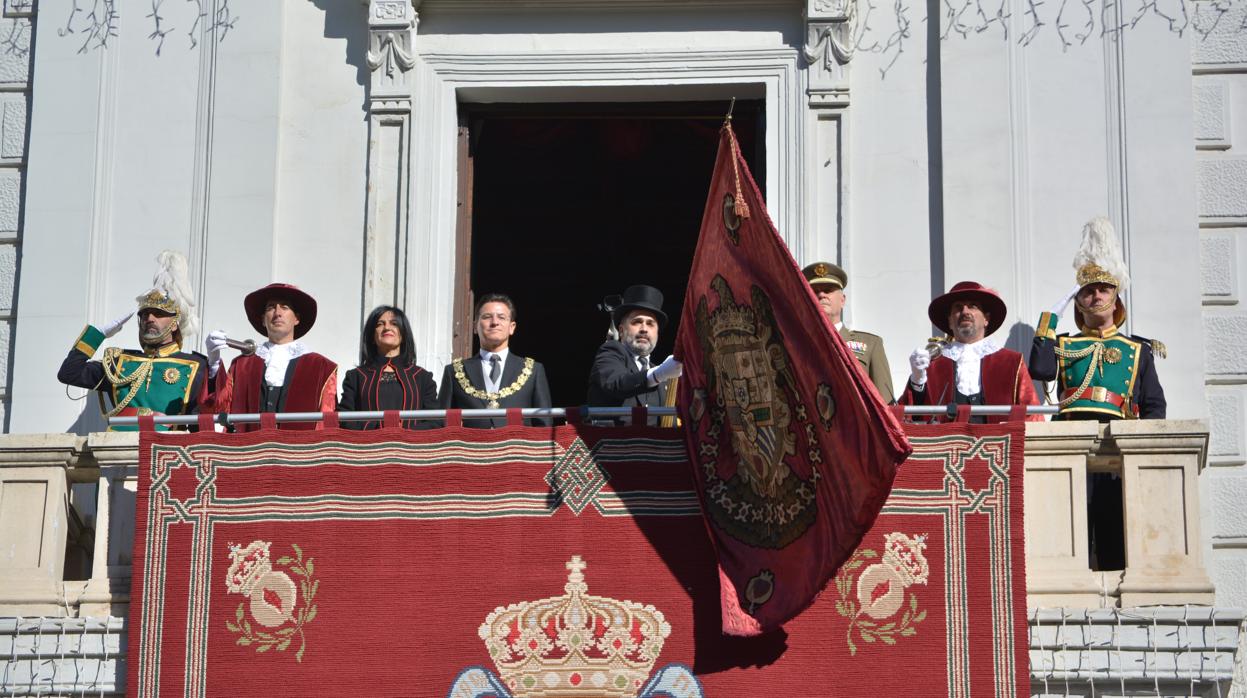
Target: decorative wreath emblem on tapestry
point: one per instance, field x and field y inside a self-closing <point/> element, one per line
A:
<point x="883" y="591"/>
<point x="273" y="614"/>
<point x="752" y="399"/>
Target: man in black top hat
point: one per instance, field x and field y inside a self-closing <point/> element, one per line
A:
<point x="623" y="374"/>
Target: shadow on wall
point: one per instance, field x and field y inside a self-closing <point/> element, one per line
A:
<point x="348" y="20"/>
<point x="1021" y="336"/>
<point x="935" y="154"/>
<point x="89" y="419"/>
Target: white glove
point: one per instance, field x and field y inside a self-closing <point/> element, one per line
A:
<point x="215" y="342"/>
<point x="1061" y="305"/>
<point x="918" y="362"/>
<point x="115" y="326"/>
<point x="665" y="371"/>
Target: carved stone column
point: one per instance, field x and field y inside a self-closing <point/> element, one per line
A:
<point x="830" y="38"/>
<point x="116" y="456"/>
<point x="34" y="520"/>
<point x="391" y="57"/>
<point x="1161" y="461"/>
<point x="1057" y="565"/>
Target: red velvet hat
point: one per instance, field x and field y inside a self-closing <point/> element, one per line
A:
<point x="303" y="305"/>
<point x="987" y="298"/>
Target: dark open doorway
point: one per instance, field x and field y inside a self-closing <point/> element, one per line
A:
<point x="570" y="203"/>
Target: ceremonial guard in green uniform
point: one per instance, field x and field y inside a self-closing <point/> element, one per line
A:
<point x="160" y="378"/>
<point x="1100" y="372"/>
<point x="828" y="282"/>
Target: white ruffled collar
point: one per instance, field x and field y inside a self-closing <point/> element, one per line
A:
<point x="955" y="350"/>
<point x="969" y="358"/>
<point x="277" y="358"/>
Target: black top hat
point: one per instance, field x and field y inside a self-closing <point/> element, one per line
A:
<point x="641" y="297"/>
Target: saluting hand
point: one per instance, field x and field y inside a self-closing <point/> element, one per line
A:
<point x="111" y="328"/>
<point x="1061" y="305"/>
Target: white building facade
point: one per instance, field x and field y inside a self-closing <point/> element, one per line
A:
<point x="342" y="146"/>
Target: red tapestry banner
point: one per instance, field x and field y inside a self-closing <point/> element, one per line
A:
<point x="524" y="562"/>
<point x="794" y="449"/>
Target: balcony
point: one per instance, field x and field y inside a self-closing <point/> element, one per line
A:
<point x="67" y="525"/>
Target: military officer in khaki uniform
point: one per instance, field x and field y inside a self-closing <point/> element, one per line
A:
<point x="828" y="282"/>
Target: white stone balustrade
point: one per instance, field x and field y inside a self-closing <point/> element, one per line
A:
<point x="1057" y="569"/>
<point x="35" y="473"/>
<point x="1159" y="462"/>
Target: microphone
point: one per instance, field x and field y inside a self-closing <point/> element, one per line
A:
<point x="246" y="346"/>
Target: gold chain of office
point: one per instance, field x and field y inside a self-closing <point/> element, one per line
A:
<point x="491" y="399"/>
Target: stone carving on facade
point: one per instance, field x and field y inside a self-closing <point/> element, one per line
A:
<point x="391" y="26"/>
<point x="391" y="50"/>
<point x="390" y="59"/>
<point x="830" y="39"/>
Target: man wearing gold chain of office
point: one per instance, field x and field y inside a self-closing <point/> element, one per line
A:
<point x="160" y="378"/>
<point x="495" y="377"/>
<point x="1100" y="373"/>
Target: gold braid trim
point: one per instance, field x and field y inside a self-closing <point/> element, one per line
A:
<point x="142" y="374"/>
<point x="1092" y="273"/>
<point x="1096" y="352"/>
<point x="491" y="399"/>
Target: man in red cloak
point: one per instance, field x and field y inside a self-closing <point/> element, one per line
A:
<point x="283" y="375"/>
<point x="970" y="368"/>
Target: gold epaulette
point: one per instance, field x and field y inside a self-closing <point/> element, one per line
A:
<point x="1158" y="348"/>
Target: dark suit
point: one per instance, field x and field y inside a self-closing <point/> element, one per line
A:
<point x="534" y="393"/>
<point x="617" y="381"/>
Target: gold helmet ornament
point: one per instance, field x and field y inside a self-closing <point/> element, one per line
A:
<point x="171" y="293"/>
<point x="1099" y="261"/>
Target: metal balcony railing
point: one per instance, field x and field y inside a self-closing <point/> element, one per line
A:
<point x="544" y="412"/>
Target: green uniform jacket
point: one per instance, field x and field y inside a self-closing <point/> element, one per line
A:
<point x="868" y="348"/>
<point x="1112" y="376"/>
<point x="174" y="384"/>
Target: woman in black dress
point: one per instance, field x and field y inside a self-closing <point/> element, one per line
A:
<point x="387" y="377"/>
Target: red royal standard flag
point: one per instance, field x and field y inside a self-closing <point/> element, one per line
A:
<point x="794" y="451"/>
